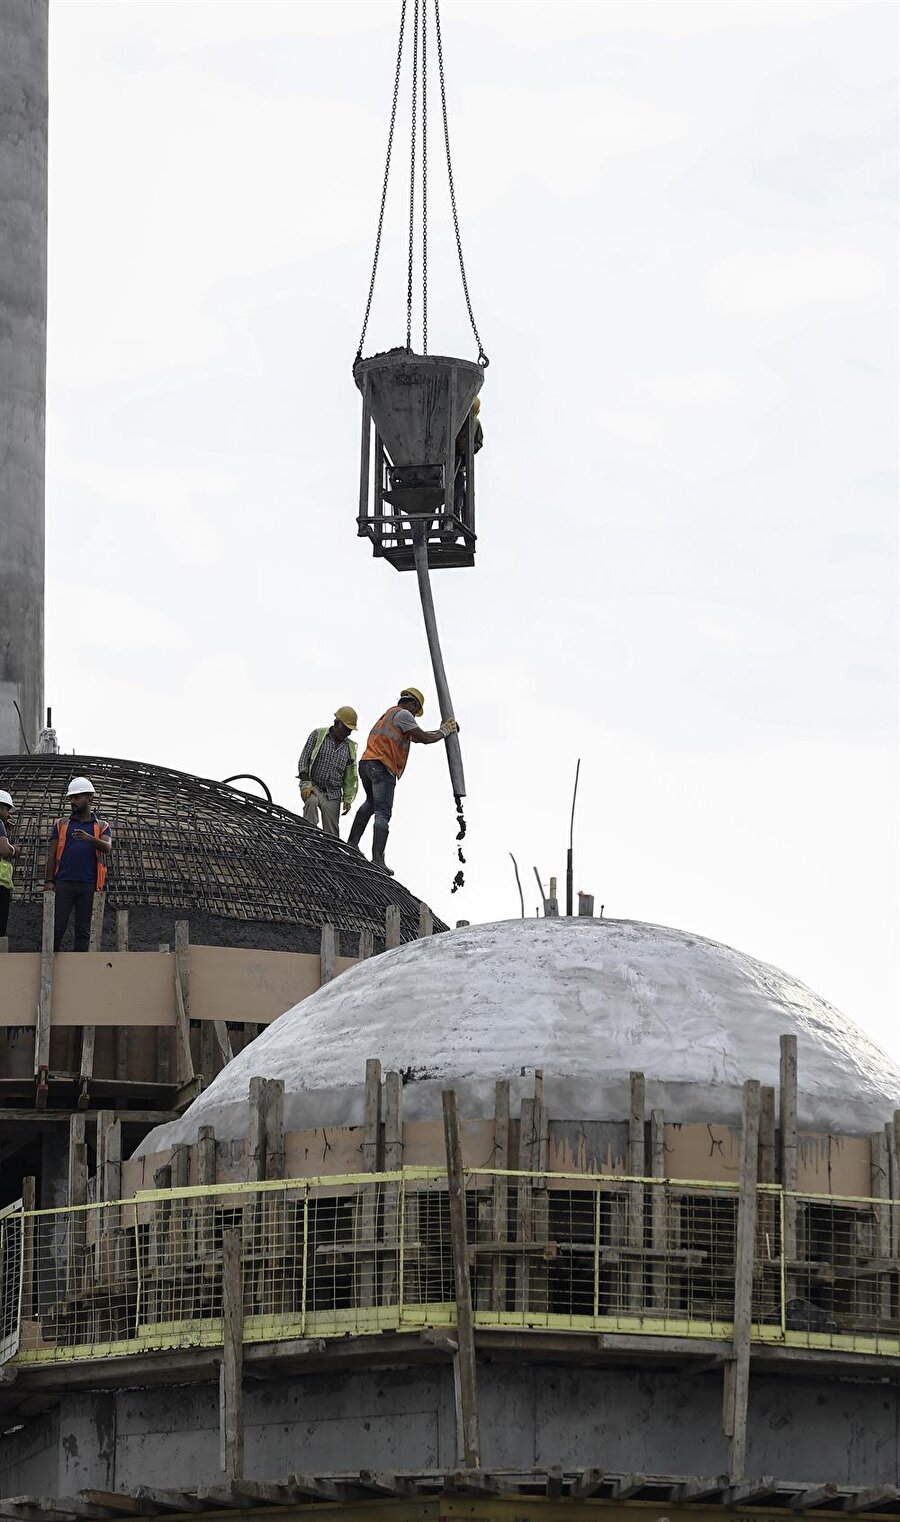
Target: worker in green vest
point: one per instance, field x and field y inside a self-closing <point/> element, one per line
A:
<point x="327" y="772"/>
<point x="8" y="854"/>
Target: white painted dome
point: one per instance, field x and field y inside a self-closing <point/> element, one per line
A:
<point x="585" y="1000"/>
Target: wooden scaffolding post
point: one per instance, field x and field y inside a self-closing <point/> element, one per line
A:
<point x="206" y="1176"/>
<point x="76" y="1194"/>
<point x="231" y="1405"/>
<point x="89" y="1032"/>
<point x="426" y="920"/>
<point x="659" y="1212"/>
<point x="468" y="1438"/>
<point x="391" y="927"/>
<point x="367" y="1207"/>
<point x="121" y="1035"/>
<point x="184" y="1061"/>
<point x="737" y="1372"/>
<point x="164" y="1039"/>
<point x="637" y="1169"/>
<point x="45" y="999"/>
<point x="327" y="955"/>
<point x="881" y="1188"/>
<point x="500" y="1225"/>
<point x="366" y="945"/>
<point x="28" y="1207"/>
<point x="393" y="1162"/>
<point x="787" y="1121"/>
<point x="892" y="1131"/>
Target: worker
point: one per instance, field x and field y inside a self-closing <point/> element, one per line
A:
<point x="384" y="762"/>
<point x="460" y="484"/>
<point x="76" y="863"/>
<point x="8" y="854"/>
<point x="327" y="771"/>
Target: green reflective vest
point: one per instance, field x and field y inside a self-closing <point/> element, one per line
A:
<point x="351" y="775"/>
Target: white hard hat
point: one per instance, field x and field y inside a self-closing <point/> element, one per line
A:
<point x="79" y="785"/>
<point x="5" y="798"/>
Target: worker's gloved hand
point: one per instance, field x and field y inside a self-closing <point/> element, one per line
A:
<point x="306" y="790"/>
<point x="346" y="809"/>
<point x="449" y="727"/>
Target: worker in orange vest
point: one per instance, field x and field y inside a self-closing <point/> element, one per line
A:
<point x="76" y="863"/>
<point x="384" y="762"/>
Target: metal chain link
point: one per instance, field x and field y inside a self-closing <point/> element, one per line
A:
<point x="384" y="188"/>
<point x="482" y="357"/>
<point x="412" y="174"/>
<point x="424" y="176"/>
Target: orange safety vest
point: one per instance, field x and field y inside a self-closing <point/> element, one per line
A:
<point x="62" y="826"/>
<point x="387" y="743"/>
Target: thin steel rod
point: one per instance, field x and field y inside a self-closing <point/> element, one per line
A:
<point x="569" y="865"/>
<point x="454" y="754"/>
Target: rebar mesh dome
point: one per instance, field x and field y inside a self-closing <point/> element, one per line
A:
<point x="185" y="843"/>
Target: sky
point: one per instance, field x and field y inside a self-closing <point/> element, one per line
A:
<point x="680" y="227"/>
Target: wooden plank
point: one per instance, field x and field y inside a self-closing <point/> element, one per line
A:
<point x="366" y="945"/>
<point x="391" y="927"/>
<point x="528" y="1142"/>
<point x="767" y="1150"/>
<point x="29" y="1195"/>
<point x="659" y="1212"/>
<point x="89" y="1032"/>
<point x="637" y="1169"/>
<point x="500" y="1223"/>
<point x="738" y="1384"/>
<point x="231" y="1406"/>
<point x="121" y="1036"/>
<point x="163" y="1043"/>
<point x="327" y="954"/>
<point x="206" y="1178"/>
<point x="468" y="1440"/>
<point x="372" y="1116"/>
<point x="45" y="998"/>
<point x="787" y="1121"/>
<point x="184" y="1061"/>
<point x="255" y="1140"/>
<point x="881" y="1188"/>
<point x="587" y="1484"/>
<point x="393" y="1162"/>
<point x="367" y="1201"/>
<point x="274" y="1128"/>
<point x="426" y="920"/>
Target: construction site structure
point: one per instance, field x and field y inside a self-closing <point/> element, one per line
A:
<point x="216" y="901"/>
<point x="336" y="1279"/>
<point x="23" y="351"/>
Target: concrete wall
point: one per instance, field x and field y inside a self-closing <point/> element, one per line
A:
<point x="531" y="1416"/>
<point x="23" y="335"/>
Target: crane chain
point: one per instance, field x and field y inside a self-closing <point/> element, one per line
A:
<point x="384" y="187"/>
<point x="424" y="176"/>
<point x="412" y="173"/>
<point x="482" y="357"/>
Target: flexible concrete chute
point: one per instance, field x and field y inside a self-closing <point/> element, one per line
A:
<point x="419" y="431"/>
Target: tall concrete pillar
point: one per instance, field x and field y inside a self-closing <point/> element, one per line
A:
<point x="23" y="365"/>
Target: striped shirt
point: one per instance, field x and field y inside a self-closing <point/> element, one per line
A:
<point x="329" y="766"/>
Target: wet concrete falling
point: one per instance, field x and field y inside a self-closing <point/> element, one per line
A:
<point x="459" y="880"/>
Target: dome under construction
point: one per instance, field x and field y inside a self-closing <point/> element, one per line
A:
<point x="246" y="871"/>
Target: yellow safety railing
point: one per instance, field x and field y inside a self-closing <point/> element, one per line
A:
<point x="371" y="1252"/>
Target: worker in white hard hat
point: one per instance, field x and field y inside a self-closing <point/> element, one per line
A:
<point x="384" y="762"/>
<point x="8" y="854"/>
<point x="76" y="863"/>
<point x="327" y="771"/>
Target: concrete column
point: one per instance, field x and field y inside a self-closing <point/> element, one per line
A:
<point x="23" y="350"/>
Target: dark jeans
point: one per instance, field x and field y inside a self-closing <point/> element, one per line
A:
<point x="379" y="786"/>
<point x="80" y="897"/>
<point x="5" y="900"/>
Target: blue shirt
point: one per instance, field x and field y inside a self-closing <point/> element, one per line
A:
<point x="78" y="863"/>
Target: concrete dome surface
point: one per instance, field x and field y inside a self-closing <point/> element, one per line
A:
<point x="585" y="1000"/>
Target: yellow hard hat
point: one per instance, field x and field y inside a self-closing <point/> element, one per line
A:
<point x="476" y="405"/>
<point x="413" y="692"/>
<point x="347" y="716"/>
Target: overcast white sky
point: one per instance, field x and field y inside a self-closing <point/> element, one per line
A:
<point x="680" y="225"/>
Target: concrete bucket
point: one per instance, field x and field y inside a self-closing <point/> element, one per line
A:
<point x="418" y="402"/>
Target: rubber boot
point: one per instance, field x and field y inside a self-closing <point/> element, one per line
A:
<point x="356" y="830"/>
<point x="379" y="841"/>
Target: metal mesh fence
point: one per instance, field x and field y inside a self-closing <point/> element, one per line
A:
<point x="367" y="1253"/>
